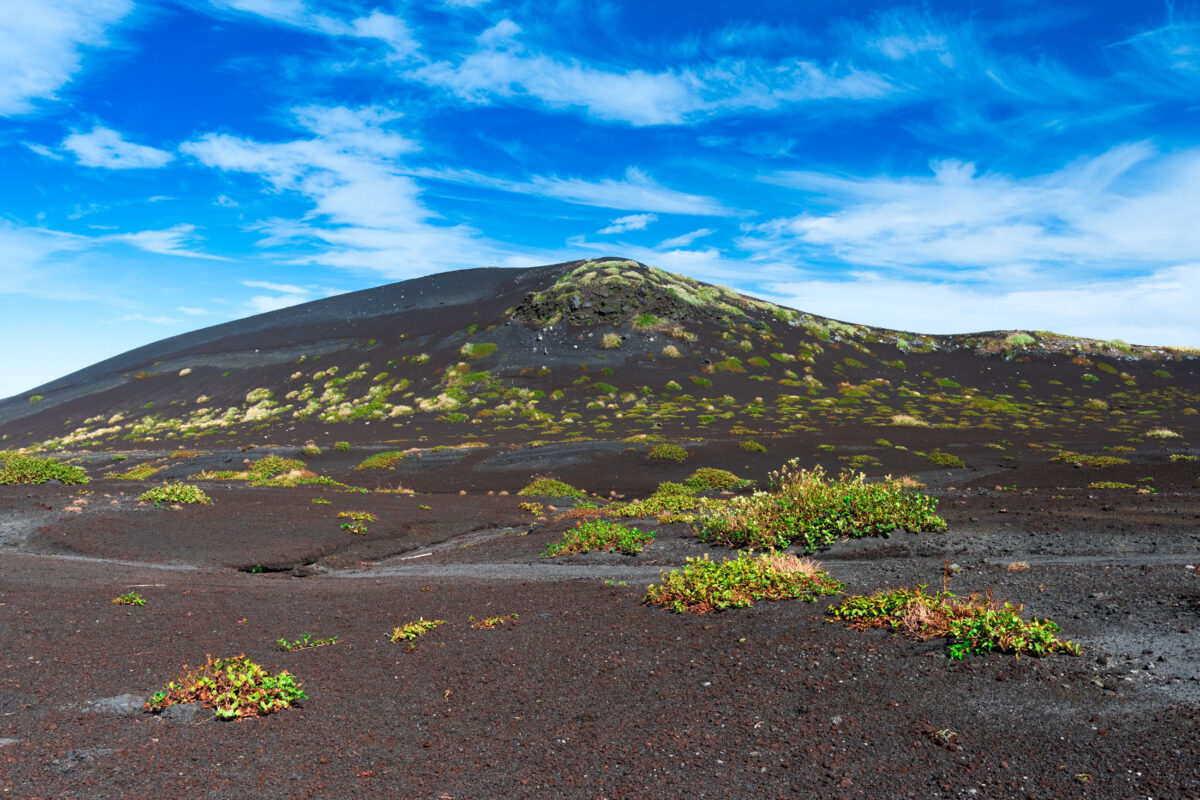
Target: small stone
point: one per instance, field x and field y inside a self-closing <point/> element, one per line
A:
<point x="181" y="714"/>
<point x="123" y="705"/>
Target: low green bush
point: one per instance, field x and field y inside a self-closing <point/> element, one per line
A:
<point x="381" y="460"/>
<point x="667" y="452"/>
<point x="549" y="487"/>
<point x="704" y="585"/>
<point x="706" y="478"/>
<point x="600" y="534"/>
<point x="972" y="624"/>
<point x="806" y="507"/>
<point x="668" y="500"/>
<point x="940" y="459"/>
<point x="175" y="493"/>
<point x="233" y="687"/>
<point x="29" y="469"/>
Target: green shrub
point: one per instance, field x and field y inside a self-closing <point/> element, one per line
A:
<point x="669" y="500"/>
<point x="29" y="469"/>
<point x="1111" y="485"/>
<point x="711" y="478"/>
<point x="310" y="450"/>
<point x="175" y="493"/>
<point x="751" y="446"/>
<point x="667" y="452"/>
<point x="703" y="585"/>
<point x="232" y="687"/>
<point x="600" y="534"/>
<point x="341" y="447"/>
<point x="806" y="507"/>
<point x="549" y="487"/>
<point x="272" y="467"/>
<point x="138" y="473"/>
<point x="381" y="460"/>
<point x="478" y="350"/>
<point x="941" y="459"/>
<point x="129" y="599"/>
<point x="1081" y="460"/>
<point x="610" y="341"/>
<point x="701" y="381"/>
<point x="412" y="630"/>
<point x="972" y="624"/>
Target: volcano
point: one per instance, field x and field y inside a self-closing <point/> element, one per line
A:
<point x="387" y="494"/>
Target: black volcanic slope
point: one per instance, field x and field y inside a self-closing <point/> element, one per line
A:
<point x="599" y="350"/>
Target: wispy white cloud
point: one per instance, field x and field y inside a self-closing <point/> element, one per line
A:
<point x="504" y="70"/>
<point x="387" y="28"/>
<point x="27" y="254"/>
<point x="44" y="151"/>
<point x="104" y="147"/>
<point x="633" y="222"/>
<point x="41" y="45"/>
<point x="637" y="191"/>
<point x="366" y="214"/>
<point x="685" y="240"/>
<point x="1127" y="208"/>
<point x="173" y="241"/>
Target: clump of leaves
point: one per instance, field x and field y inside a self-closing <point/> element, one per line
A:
<point x="1177" y="457"/>
<point x="1111" y="485"/>
<point x="550" y="487"/>
<point x="29" y="469"/>
<point x="478" y="349"/>
<point x="805" y="506"/>
<point x="667" y="452"/>
<point x="488" y="623"/>
<point x="712" y="478"/>
<point x="381" y="460"/>
<point x="319" y="501"/>
<point x="341" y="447"/>
<point x="751" y="446"/>
<point x="233" y="687"/>
<point x="704" y="585"/>
<point x="411" y="630"/>
<point x="974" y="624"/>
<point x="1163" y="433"/>
<point x="310" y="450"/>
<point x="940" y="459"/>
<point x="305" y="642"/>
<point x="669" y="501"/>
<point x="175" y="493"/>
<point x="1081" y="460"/>
<point x="600" y="534"/>
<point x="358" y="516"/>
<point x="130" y="599"/>
<point x="533" y="508"/>
<point x="138" y="473"/>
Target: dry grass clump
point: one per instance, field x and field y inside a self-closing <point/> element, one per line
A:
<point x="610" y="341"/>
<point x="909" y="421"/>
<point x="671" y="351"/>
<point x="1163" y="433"/>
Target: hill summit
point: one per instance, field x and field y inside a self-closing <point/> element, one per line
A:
<point x="606" y="348"/>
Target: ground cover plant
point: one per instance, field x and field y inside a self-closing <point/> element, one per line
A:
<point x="549" y="487"/>
<point x="600" y="534"/>
<point x="129" y="599"/>
<point x="411" y="630"/>
<point x="704" y="585"/>
<point x="670" y="502"/>
<point x="706" y="478"/>
<point x="1083" y="460"/>
<point x="973" y="624"/>
<point x="667" y="452"/>
<point x="306" y="642"/>
<point x="175" y="493"/>
<point x="381" y="460"/>
<point x="233" y="687"/>
<point x="488" y="623"/>
<point x="31" y="469"/>
<point x="806" y="507"/>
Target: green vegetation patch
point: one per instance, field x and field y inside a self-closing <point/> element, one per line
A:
<point x="1111" y="485"/>
<point x="30" y="469"/>
<point x="808" y="508"/>
<point x="669" y="502"/>
<point x="1082" y="460"/>
<point x="382" y="460"/>
<point x="175" y="493"/>
<point x="706" y="478"/>
<point x="138" y="473"/>
<point x="477" y="349"/>
<point x="600" y="534"/>
<point x="972" y="624"/>
<point x="751" y="446"/>
<point x="940" y="459"/>
<point x="411" y="630"/>
<point x="233" y="687"/>
<point x="129" y="599"/>
<point x="549" y="487"/>
<point x="704" y="585"/>
<point x="667" y="452"/>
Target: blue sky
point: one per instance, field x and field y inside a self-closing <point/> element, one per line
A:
<point x="939" y="167"/>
